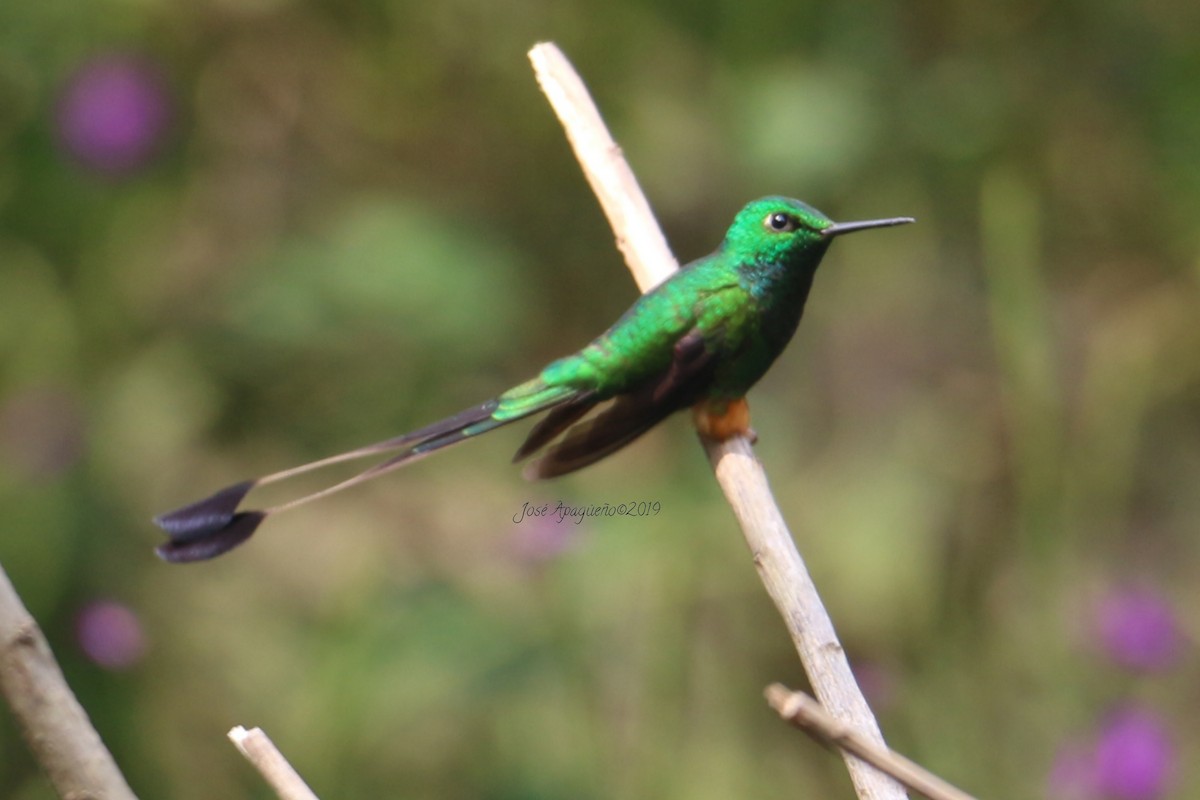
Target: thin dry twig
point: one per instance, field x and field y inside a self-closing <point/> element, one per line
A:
<point x="261" y="752"/>
<point x="55" y="726"/>
<point x="805" y="712"/>
<point x="740" y="474"/>
<point x="639" y="238"/>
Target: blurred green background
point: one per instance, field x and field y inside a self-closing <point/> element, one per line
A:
<point x="240" y="234"/>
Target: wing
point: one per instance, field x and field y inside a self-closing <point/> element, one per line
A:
<point x="550" y="426"/>
<point x="628" y="416"/>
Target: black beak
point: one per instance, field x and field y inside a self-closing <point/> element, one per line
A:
<point x="838" y="228"/>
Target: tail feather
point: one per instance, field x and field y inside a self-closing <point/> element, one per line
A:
<point x="214" y="525"/>
<point x="239" y="528"/>
<point x="531" y="397"/>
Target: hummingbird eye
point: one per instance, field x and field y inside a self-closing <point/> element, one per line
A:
<point x="780" y="222"/>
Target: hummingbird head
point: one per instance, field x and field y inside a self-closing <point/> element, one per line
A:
<point x="779" y="230"/>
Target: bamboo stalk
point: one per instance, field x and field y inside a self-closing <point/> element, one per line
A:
<point x="739" y="473"/>
<point x="54" y="724"/>
<point x="805" y="712"/>
<point x="262" y="753"/>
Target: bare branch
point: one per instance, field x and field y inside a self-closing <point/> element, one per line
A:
<point x="639" y="238"/>
<point x="805" y="712"/>
<point x="740" y="474"/>
<point x="55" y="726"/>
<point x="260" y="751"/>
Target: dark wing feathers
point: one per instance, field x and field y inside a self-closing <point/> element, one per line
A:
<point x="627" y="417"/>
<point x="554" y="423"/>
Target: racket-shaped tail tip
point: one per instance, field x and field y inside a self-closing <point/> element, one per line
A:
<point x="201" y="546"/>
<point x="204" y="517"/>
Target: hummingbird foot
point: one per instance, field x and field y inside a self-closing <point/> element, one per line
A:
<point x="722" y="422"/>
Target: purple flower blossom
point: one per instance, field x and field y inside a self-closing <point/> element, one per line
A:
<point x="113" y="113"/>
<point x="878" y="683"/>
<point x="539" y="540"/>
<point x="1134" y="757"/>
<point x="110" y="635"/>
<point x="1073" y="775"/>
<point x="1137" y="629"/>
<point x="41" y="431"/>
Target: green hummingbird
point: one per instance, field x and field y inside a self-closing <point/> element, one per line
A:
<point x="699" y="339"/>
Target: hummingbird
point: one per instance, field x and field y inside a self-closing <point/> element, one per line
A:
<point x="699" y="340"/>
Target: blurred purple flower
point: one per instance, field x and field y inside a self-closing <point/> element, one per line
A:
<point x="110" y="634"/>
<point x="1137" y="629"/>
<point x="41" y="431"/>
<point x="113" y="113"/>
<point x="1134" y="757"/>
<point x="1073" y="775"/>
<point x="878" y="683"/>
<point x="538" y="540"/>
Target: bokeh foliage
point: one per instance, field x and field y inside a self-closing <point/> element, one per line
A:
<point x="359" y="217"/>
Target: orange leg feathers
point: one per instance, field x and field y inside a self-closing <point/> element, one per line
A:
<point x="724" y="422"/>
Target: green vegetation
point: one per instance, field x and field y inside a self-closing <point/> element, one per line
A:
<point x="236" y="236"/>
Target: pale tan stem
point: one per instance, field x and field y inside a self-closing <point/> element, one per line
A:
<point x="53" y="722"/>
<point x="741" y="476"/>
<point x="805" y="712"/>
<point x="261" y="752"/>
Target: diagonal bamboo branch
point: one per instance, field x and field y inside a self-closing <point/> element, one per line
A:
<point x="806" y="713"/>
<point x="737" y="470"/>
<point x="262" y="753"/>
<point x="54" y="724"/>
